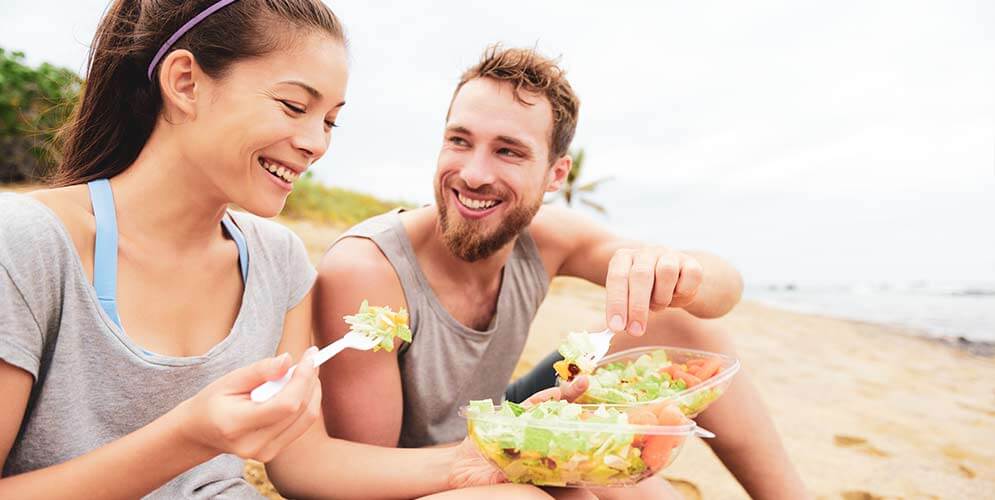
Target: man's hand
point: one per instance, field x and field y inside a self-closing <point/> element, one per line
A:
<point x="648" y="279"/>
<point x="568" y="392"/>
<point x="471" y="469"/>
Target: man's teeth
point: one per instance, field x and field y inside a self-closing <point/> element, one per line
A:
<point x="282" y="172"/>
<point x="476" y="204"/>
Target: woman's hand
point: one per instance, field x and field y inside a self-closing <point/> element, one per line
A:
<point x="223" y="419"/>
<point x="471" y="469"/>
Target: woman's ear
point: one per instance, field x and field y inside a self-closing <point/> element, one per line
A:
<point x="179" y="78"/>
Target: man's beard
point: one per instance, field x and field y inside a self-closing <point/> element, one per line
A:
<point x="465" y="239"/>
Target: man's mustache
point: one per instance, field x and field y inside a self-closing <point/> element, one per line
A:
<point x="486" y="190"/>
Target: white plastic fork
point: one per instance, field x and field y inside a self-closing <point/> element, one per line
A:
<point x="353" y="339"/>
<point x="602" y="342"/>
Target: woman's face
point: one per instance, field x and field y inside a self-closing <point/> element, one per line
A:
<point x="258" y="128"/>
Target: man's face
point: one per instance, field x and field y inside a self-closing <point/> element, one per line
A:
<point x="493" y="167"/>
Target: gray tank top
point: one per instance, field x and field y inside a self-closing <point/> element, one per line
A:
<point x="448" y="364"/>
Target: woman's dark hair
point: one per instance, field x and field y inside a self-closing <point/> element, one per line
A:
<point x="119" y="106"/>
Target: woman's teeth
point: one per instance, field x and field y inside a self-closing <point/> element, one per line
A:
<point x="284" y="173"/>
<point x="475" y="204"/>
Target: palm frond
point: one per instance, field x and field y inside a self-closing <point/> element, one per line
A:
<point x="596" y="206"/>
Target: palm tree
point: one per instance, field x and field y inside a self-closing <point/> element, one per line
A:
<point x="572" y="191"/>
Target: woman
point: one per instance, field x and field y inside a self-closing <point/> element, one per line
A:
<point x="131" y="299"/>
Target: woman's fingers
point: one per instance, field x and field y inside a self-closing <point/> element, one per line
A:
<point x="279" y="440"/>
<point x="290" y="402"/>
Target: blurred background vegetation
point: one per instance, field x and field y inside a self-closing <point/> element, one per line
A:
<point x="575" y="190"/>
<point x="34" y="103"/>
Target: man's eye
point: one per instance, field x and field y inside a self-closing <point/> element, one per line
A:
<point x="459" y="141"/>
<point x="509" y="152"/>
<point x="292" y="107"/>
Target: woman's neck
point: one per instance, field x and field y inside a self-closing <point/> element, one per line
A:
<point x="163" y="197"/>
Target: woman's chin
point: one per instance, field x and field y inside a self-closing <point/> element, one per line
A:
<point x="264" y="208"/>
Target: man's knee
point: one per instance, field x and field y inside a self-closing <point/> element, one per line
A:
<point x="654" y="488"/>
<point x="571" y="494"/>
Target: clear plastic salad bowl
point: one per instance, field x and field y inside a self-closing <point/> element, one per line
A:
<point x="659" y="373"/>
<point x="562" y="444"/>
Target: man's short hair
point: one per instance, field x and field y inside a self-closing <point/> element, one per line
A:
<point x="528" y="70"/>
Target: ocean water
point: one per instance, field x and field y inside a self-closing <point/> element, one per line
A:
<point x="957" y="311"/>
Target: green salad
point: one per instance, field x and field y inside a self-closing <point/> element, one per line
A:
<point x="652" y="377"/>
<point x="553" y="443"/>
<point x="577" y="351"/>
<point x="380" y="324"/>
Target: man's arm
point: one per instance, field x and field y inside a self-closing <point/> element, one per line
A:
<point x="317" y="466"/>
<point x="362" y="399"/>
<point x="572" y="245"/>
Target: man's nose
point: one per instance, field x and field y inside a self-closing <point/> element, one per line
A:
<point x="477" y="171"/>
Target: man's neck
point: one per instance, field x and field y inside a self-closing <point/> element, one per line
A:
<point x="482" y="273"/>
<point x="467" y="290"/>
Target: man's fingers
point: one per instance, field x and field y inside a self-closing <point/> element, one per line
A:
<point x="668" y="268"/>
<point x="577" y="387"/>
<point x="553" y="393"/>
<point x="568" y="392"/>
<point x="641" y="277"/>
<point x="689" y="280"/>
<point x="617" y="288"/>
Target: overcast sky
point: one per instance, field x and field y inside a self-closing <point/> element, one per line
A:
<point x="803" y="140"/>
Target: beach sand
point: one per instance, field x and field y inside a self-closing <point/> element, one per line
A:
<point x="866" y="412"/>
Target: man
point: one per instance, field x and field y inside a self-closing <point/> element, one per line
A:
<point x="473" y="269"/>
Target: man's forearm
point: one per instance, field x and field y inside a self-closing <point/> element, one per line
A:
<point x="721" y="287"/>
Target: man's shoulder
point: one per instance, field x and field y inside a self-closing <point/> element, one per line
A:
<point x="555" y="228"/>
<point x="355" y="269"/>
<point x="356" y="257"/>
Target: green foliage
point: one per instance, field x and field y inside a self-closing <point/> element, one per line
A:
<point x="34" y="103"/>
<point x="574" y="191"/>
<point x="313" y="200"/>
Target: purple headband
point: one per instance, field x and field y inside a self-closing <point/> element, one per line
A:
<point x="184" y="29"/>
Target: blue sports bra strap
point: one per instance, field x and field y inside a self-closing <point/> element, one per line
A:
<point x="243" y="250"/>
<point x="105" y="247"/>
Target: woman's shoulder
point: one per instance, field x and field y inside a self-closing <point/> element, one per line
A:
<point x="43" y="216"/>
<point x="267" y="235"/>
<point x="36" y="249"/>
<point x="279" y="254"/>
<point x="47" y="216"/>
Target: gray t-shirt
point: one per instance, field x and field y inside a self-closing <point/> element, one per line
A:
<point x="92" y="383"/>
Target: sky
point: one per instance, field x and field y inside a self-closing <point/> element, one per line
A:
<point x="804" y="141"/>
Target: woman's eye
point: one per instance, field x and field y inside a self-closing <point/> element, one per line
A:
<point x="292" y="107"/>
<point x="330" y="124"/>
